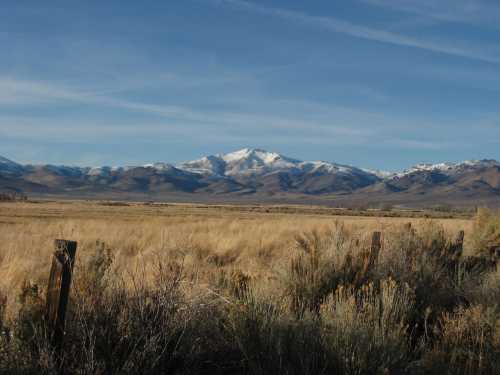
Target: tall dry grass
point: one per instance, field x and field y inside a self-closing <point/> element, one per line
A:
<point x="254" y="294"/>
<point x="27" y="233"/>
<point x="137" y="236"/>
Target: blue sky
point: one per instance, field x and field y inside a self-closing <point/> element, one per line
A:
<point x="373" y="83"/>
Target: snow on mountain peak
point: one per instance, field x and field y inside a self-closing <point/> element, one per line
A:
<point x="244" y="161"/>
<point x="248" y="162"/>
<point x="105" y="171"/>
<point x="236" y="155"/>
<point x="207" y="165"/>
<point x="325" y="167"/>
<point x="256" y="154"/>
<point x="252" y="161"/>
<point x="162" y="167"/>
<point x="379" y="173"/>
<point x="448" y="167"/>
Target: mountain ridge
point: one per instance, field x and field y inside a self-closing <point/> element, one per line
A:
<point x="259" y="173"/>
<point x="270" y="157"/>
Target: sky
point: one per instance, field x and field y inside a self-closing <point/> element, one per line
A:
<point x="373" y="83"/>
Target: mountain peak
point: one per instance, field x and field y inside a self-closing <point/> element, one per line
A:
<point x="256" y="153"/>
<point x="255" y="160"/>
<point x="257" y="171"/>
<point x="449" y="167"/>
<point x="159" y="166"/>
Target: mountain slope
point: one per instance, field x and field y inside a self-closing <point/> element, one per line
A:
<point x="270" y="172"/>
<point x="261" y="174"/>
<point x="469" y="182"/>
<point x="144" y="179"/>
<point x="243" y="162"/>
<point x="9" y="167"/>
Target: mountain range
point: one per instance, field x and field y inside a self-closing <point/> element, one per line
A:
<point x="259" y="175"/>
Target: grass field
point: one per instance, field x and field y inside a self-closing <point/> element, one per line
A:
<point x="248" y="238"/>
<point x="251" y="289"/>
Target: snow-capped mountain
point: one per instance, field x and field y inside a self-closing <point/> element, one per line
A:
<point x="260" y="170"/>
<point x="207" y="165"/>
<point x="259" y="173"/>
<point x="380" y="173"/>
<point x="242" y="162"/>
<point x="449" y="168"/>
<point x="256" y="162"/>
<point x="470" y="182"/>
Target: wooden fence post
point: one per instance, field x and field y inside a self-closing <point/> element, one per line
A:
<point x="58" y="289"/>
<point x="375" y="247"/>
<point x="369" y="259"/>
<point x="460" y="238"/>
<point x="458" y="245"/>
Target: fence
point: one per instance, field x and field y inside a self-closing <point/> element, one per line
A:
<point x="65" y="251"/>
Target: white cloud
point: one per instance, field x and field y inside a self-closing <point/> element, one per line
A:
<point x="292" y="121"/>
<point x="340" y="26"/>
<point x="478" y="12"/>
<point x="18" y="92"/>
<point x="328" y="121"/>
<point x="23" y="92"/>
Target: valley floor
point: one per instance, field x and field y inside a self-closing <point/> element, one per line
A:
<point x="250" y="289"/>
<point x="254" y="238"/>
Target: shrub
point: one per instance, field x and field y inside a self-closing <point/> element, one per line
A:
<point x="323" y="263"/>
<point x="367" y="329"/>
<point x="486" y="232"/>
<point x="421" y="260"/>
<point x="469" y="343"/>
<point x="92" y="277"/>
<point x="417" y="310"/>
<point x="272" y="342"/>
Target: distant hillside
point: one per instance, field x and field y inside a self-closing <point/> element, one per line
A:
<point x="258" y="174"/>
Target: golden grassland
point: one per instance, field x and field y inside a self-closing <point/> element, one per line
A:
<point x="207" y="237"/>
<point x="194" y="289"/>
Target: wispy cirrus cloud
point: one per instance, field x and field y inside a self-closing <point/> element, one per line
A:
<point x="159" y="120"/>
<point x="337" y="25"/>
<point x="24" y="93"/>
<point x="283" y="121"/>
<point x="478" y="12"/>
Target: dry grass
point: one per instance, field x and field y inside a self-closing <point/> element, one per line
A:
<point x="193" y="289"/>
<point x="206" y="238"/>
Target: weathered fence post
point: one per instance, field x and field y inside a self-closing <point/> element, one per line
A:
<point x="457" y="247"/>
<point x="58" y="289"/>
<point x="375" y="247"/>
<point x="369" y="259"/>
